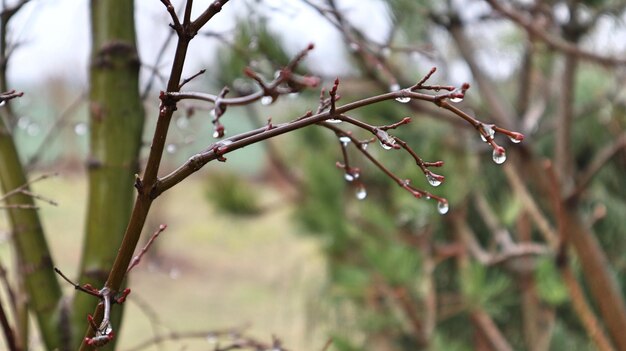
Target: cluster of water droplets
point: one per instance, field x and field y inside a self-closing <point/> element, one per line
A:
<point x="351" y="175"/>
<point x="29" y="126"/>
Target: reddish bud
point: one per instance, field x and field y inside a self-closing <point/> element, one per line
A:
<point x="311" y="46"/>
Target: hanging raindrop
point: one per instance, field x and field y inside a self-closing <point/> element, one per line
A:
<point x="183" y="122"/>
<point x="334" y="121"/>
<point x="349" y="177"/>
<point x="3" y="102"/>
<point x="456" y="99"/>
<point x="499" y="155"/>
<point x="433" y="180"/>
<point x="80" y="128"/>
<point x="403" y="99"/>
<point x="171" y="148"/>
<point x="33" y="129"/>
<point x="23" y="122"/>
<point x="515" y="140"/>
<point x="345" y="140"/>
<point x="488" y="129"/>
<point x="267" y="100"/>
<point x="442" y="207"/>
<point x="361" y="193"/>
<point x="385" y="140"/>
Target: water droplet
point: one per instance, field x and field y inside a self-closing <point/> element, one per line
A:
<point x="394" y="87"/>
<point x="345" y="140"/>
<point x="293" y="95"/>
<point x="442" y="207"/>
<point x="364" y="146"/>
<point x="217" y="134"/>
<point x="361" y="193"/>
<point x="171" y="148"/>
<point x="515" y="140"/>
<point x="456" y="99"/>
<point x="3" y="102"/>
<point x="267" y="100"/>
<point x="488" y="129"/>
<point x="499" y="156"/>
<point x="334" y="121"/>
<point x="183" y="122"/>
<point x="403" y="100"/>
<point x="23" y="122"/>
<point x="33" y="129"/>
<point x="385" y="140"/>
<point x="433" y="180"/>
<point x="80" y="128"/>
<point x="174" y="273"/>
<point x="277" y="74"/>
<point x="349" y="177"/>
<point x="354" y="47"/>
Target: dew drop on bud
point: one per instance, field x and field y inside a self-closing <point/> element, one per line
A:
<point x="80" y="128"/>
<point x="170" y="148"/>
<point x="488" y="129"/>
<point x="434" y="181"/>
<point x="361" y="193"/>
<point x="499" y="155"/>
<point x="516" y="138"/>
<point x="385" y="140"/>
<point x="267" y="100"/>
<point x="348" y="177"/>
<point x="443" y="207"/>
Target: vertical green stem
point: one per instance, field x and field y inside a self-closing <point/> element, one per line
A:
<point x="116" y="124"/>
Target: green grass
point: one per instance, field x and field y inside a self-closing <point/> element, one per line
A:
<point x="207" y="271"/>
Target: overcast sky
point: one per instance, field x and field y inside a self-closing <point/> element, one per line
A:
<point x="54" y="34"/>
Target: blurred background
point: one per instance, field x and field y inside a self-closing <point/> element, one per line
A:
<point x="276" y="239"/>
